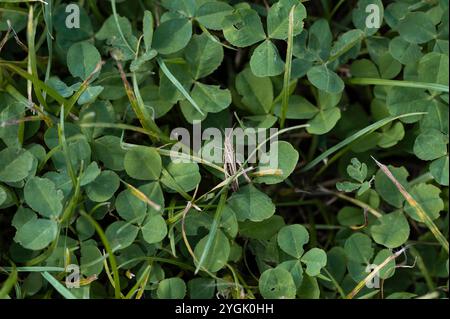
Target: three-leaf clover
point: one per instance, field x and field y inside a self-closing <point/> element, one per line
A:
<point x="358" y="172"/>
<point x="244" y="28"/>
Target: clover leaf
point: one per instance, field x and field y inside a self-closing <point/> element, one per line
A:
<point x="357" y="171"/>
<point x="277" y="283"/>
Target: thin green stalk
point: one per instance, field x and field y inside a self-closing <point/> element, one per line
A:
<point x="399" y="83"/>
<point x="331" y="161"/>
<point x="52" y="152"/>
<point x="135" y="288"/>
<point x="93" y="5"/>
<point x="140" y="102"/>
<point x="176" y="218"/>
<point x="171" y="234"/>
<point x="21" y="11"/>
<point x="313" y="147"/>
<point x="423" y="269"/>
<point x="121" y="126"/>
<point x="213" y="230"/>
<point x="43" y="115"/>
<point x="111" y="257"/>
<point x="143" y="116"/>
<point x="70" y="208"/>
<point x="335" y="283"/>
<point x="336" y="8"/>
<point x="177" y="84"/>
<point x="116" y="19"/>
<point x="65" y="148"/>
<point x="197" y="159"/>
<point x="32" y="67"/>
<point x="288" y="68"/>
<point x="36" y="82"/>
<point x="214" y="39"/>
<point x="9" y="283"/>
<point x="236" y="285"/>
<point x="84" y="86"/>
<point x="343" y="50"/>
<point x="326" y="8"/>
<point x="245" y="285"/>
<point x="143" y="110"/>
<point x="296" y="203"/>
<point x="356" y="202"/>
<point x="369" y="129"/>
<point x="58" y="286"/>
<point x="160" y="260"/>
<point x="35" y="269"/>
<point x="175" y="184"/>
<point x="48" y="18"/>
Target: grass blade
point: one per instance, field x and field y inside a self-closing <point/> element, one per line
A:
<point x="406" y="84"/>
<point x="32" y="66"/>
<point x="369" y="129"/>
<point x="280" y="132"/>
<point x="116" y="19"/>
<point x="214" y="227"/>
<point x="36" y="82"/>
<point x="9" y="283"/>
<point x="121" y="126"/>
<point x="140" y="283"/>
<point x="58" y="286"/>
<point x="70" y="104"/>
<point x="141" y="196"/>
<point x="111" y="257"/>
<point x="214" y="39"/>
<point x="178" y="85"/>
<point x="23" y="1"/>
<point x="288" y="68"/>
<point x="373" y="274"/>
<point x="414" y="204"/>
<point x="145" y="120"/>
<point x="35" y="269"/>
<point x="20" y="98"/>
<point x="48" y="18"/>
<point x="141" y="105"/>
<point x="65" y="147"/>
<point x="354" y="201"/>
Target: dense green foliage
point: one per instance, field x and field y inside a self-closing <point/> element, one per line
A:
<point x="88" y="178"/>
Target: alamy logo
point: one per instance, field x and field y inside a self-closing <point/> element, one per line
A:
<point x="238" y="145"/>
<point x="373" y="20"/>
<point x="374" y="283"/>
<point x="73" y="17"/>
<point x="73" y="277"/>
